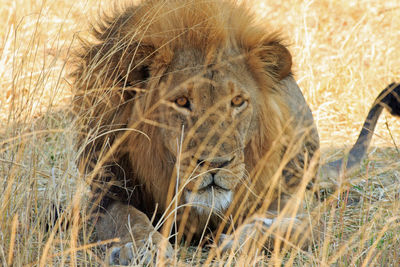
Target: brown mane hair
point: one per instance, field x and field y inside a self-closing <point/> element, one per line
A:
<point x="116" y="83"/>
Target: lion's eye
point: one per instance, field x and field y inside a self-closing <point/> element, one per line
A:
<point x="237" y="101"/>
<point x="183" y="102"/>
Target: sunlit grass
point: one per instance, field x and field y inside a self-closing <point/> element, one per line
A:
<point x="344" y="53"/>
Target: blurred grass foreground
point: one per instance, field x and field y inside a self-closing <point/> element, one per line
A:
<point x="344" y="53"/>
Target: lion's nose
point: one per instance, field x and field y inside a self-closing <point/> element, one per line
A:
<point x="219" y="162"/>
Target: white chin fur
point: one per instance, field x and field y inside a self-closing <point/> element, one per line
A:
<point x="210" y="200"/>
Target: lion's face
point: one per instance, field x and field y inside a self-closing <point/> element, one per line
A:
<point x="199" y="93"/>
<point x="208" y="118"/>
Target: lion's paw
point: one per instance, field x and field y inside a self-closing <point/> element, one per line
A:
<point x="225" y="243"/>
<point x="121" y="255"/>
<point x="124" y="254"/>
<point x="273" y="227"/>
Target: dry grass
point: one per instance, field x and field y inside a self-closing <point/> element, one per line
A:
<point x="345" y="52"/>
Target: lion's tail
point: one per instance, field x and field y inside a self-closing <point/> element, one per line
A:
<point x="389" y="98"/>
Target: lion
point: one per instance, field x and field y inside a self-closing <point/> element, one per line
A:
<point x="191" y="119"/>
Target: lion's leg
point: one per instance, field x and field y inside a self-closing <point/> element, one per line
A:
<point x="135" y="231"/>
<point x="267" y="232"/>
<point x="288" y="228"/>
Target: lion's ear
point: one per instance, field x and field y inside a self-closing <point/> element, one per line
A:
<point x="277" y="59"/>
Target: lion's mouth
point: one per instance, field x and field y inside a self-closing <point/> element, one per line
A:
<point x="212" y="187"/>
<point x="208" y="188"/>
<point x="210" y="197"/>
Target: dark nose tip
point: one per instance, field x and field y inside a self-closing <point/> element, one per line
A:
<point x="200" y="162"/>
<point x="214" y="163"/>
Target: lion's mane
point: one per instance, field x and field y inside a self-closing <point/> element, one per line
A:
<point x="130" y="51"/>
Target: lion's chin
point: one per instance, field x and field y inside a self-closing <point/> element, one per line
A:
<point x="209" y="199"/>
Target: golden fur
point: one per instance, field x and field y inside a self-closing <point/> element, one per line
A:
<point x="128" y="79"/>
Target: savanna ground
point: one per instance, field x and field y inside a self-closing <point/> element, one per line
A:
<point x="345" y="52"/>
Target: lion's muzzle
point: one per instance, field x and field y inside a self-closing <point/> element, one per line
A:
<point x="213" y="183"/>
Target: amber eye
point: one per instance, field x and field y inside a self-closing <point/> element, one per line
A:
<point x="183" y="102"/>
<point x="237" y="101"/>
